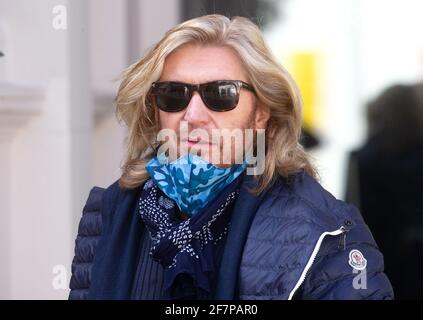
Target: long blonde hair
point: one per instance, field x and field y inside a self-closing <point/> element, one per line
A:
<point x="273" y="85"/>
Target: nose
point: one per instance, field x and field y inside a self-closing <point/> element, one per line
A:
<point x="196" y="113"/>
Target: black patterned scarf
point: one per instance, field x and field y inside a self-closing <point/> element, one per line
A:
<point x="189" y="250"/>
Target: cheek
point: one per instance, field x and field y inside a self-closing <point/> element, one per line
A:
<point x="170" y="120"/>
<point x="240" y="117"/>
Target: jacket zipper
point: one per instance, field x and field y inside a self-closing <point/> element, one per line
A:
<point x="313" y="256"/>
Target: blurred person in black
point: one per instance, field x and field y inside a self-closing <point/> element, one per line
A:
<point x="385" y="179"/>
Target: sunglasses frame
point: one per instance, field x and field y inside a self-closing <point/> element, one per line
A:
<point x="199" y="88"/>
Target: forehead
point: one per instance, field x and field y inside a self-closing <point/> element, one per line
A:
<point x="199" y="64"/>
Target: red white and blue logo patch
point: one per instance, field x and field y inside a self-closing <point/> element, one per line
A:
<point x="357" y="260"/>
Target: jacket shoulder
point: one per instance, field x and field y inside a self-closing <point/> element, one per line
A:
<point x="292" y="218"/>
<point x="89" y="233"/>
<point x="332" y="275"/>
<point x="302" y="197"/>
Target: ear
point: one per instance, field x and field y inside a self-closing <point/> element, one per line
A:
<point x="262" y="116"/>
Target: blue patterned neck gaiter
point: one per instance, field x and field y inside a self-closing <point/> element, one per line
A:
<point x="191" y="181"/>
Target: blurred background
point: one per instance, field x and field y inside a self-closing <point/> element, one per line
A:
<point x="358" y="63"/>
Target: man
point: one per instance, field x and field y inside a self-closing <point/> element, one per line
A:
<point x="198" y="216"/>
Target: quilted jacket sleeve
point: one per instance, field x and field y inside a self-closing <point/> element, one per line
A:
<point x="337" y="274"/>
<point x="86" y="241"/>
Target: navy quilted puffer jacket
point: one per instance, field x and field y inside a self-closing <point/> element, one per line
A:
<point x="294" y="241"/>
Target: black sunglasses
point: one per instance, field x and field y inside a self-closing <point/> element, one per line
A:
<point x="220" y="95"/>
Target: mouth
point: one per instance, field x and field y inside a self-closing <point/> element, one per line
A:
<point x="197" y="142"/>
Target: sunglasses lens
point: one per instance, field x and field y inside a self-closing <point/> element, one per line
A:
<point x="174" y="97"/>
<point x="220" y="96"/>
<point x="171" y="97"/>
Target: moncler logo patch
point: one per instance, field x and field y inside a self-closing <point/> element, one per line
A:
<point x="357" y="260"/>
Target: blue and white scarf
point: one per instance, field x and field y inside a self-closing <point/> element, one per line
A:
<point x="190" y="180"/>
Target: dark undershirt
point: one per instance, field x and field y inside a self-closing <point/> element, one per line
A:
<point x="149" y="278"/>
<point x="148" y="281"/>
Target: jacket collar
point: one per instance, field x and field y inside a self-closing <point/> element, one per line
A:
<point x="242" y="216"/>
